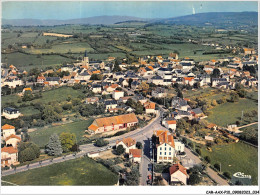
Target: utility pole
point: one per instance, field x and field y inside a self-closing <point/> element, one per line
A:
<point x="242" y="115"/>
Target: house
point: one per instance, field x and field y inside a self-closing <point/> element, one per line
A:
<point x="91" y="100"/>
<point x="12" y="140"/>
<point x="212" y="126"/>
<point x="127" y="143"/>
<point x="249" y="51"/>
<point x="171" y="124"/>
<point x="197" y="113"/>
<point x="26" y="89"/>
<point x="96" y="88"/>
<point x="179" y="114"/>
<point x="159" y="92"/>
<point x="216" y="81"/>
<point x="117" y="94"/>
<point x="157" y="80"/>
<point x="93" y="154"/>
<point x="149" y="107"/>
<point x="135" y="155"/>
<point x="124" y="99"/>
<point x="179" y="146"/>
<point x="188" y="81"/>
<point x="180" y="104"/>
<point x="110" y="104"/>
<point x="8" y="130"/>
<point x="9" y="156"/>
<point x="165" y="146"/>
<point x="120" y="122"/>
<point x="209" y="138"/>
<point x="41" y="79"/>
<point x="178" y="174"/>
<point x="11" y="113"/>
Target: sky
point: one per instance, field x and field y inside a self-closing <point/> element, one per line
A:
<point x="144" y="9"/>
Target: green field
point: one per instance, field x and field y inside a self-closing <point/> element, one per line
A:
<point x="27" y="62"/>
<point x="228" y="113"/>
<point x="59" y="95"/>
<point x="235" y="157"/>
<point x="42" y="135"/>
<point x="81" y="171"/>
<point x="29" y="110"/>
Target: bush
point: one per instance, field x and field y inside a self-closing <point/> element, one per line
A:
<point x="198" y="151"/>
<point x="194" y="179"/>
<point x="120" y="150"/>
<point x="217" y="166"/>
<point x="227" y="175"/>
<point x="207" y="159"/>
<point x="101" y="142"/>
<point x="139" y="145"/>
<point x="28" y="151"/>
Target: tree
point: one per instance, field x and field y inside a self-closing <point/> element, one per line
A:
<point x="96" y="77"/>
<point x="139" y="145"/>
<point x="227" y="175"/>
<point x="139" y="109"/>
<point x="116" y="66"/>
<point x="101" y="142"/>
<point x="207" y="159"/>
<point x="120" y="150"/>
<point x="215" y="73"/>
<point x="144" y="86"/>
<point x="198" y="151"/>
<point x="179" y="94"/>
<point x="214" y="103"/>
<point x="217" y="166"/>
<point x="194" y="179"/>
<point x="54" y="147"/>
<point x="130" y="82"/>
<point x="196" y="85"/>
<point x="234" y="97"/>
<point x="67" y="141"/>
<point x="28" y="151"/>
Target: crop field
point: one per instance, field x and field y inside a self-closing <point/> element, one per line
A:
<point x="235" y="157"/>
<point x="81" y="171"/>
<point x="41" y="136"/>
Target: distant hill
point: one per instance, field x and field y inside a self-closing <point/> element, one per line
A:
<point x="105" y="20"/>
<point x="214" y="18"/>
<point x="219" y="19"/>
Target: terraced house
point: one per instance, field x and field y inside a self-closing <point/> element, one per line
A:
<point x="113" y="123"/>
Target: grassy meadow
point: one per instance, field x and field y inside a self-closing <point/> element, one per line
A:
<point x="81" y="171"/>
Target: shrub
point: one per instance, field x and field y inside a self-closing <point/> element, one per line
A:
<point x="227" y="175"/>
<point x="120" y="150"/>
<point x="207" y="159"/>
<point x="217" y="166"/>
<point x="198" y="151"/>
<point x="101" y="142"/>
<point x="194" y="179"/>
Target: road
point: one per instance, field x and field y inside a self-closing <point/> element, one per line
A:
<point x="247" y="125"/>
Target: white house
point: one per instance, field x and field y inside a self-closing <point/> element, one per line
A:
<point x="12" y="140"/>
<point x="127" y="143"/>
<point x="171" y="124"/>
<point x="117" y="94"/>
<point x="149" y="108"/>
<point x="11" y="113"/>
<point x="178" y="174"/>
<point x="8" y="130"/>
<point x="135" y="155"/>
<point x="179" y="146"/>
<point x="9" y="156"/>
<point x="165" y="147"/>
<point x="96" y="88"/>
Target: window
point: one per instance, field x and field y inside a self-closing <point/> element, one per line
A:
<point x="170" y="153"/>
<point x="165" y="148"/>
<point x="169" y="158"/>
<point x="160" y="158"/>
<point x="160" y="148"/>
<point x="160" y="153"/>
<point x="165" y="158"/>
<point x="170" y="149"/>
<point x="165" y="144"/>
<point x="164" y="153"/>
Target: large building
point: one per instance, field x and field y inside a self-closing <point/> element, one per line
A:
<point x="113" y="123"/>
<point x="166" y="147"/>
<point x="11" y="113"/>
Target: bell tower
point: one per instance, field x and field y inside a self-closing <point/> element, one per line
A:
<point x="85" y="61"/>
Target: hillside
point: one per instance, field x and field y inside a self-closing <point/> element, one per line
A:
<point x="221" y="19"/>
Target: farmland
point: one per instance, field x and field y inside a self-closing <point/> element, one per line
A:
<point x="81" y="171"/>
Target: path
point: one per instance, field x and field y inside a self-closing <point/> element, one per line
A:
<point x="247" y="125"/>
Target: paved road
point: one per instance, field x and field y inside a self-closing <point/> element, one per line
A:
<point x="247" y="125"/>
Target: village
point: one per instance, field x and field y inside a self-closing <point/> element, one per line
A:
<point x="141" y="114"/>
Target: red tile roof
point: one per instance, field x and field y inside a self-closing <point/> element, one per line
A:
<point x="9" y="150"/>
<point x="13" y="136"/>
<point x="6" y="126"/>
<point x="137" y="153"/>
<point x="178" y="167"/>
<point x="165" y="138"/>
<point x="128" y="141"/>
